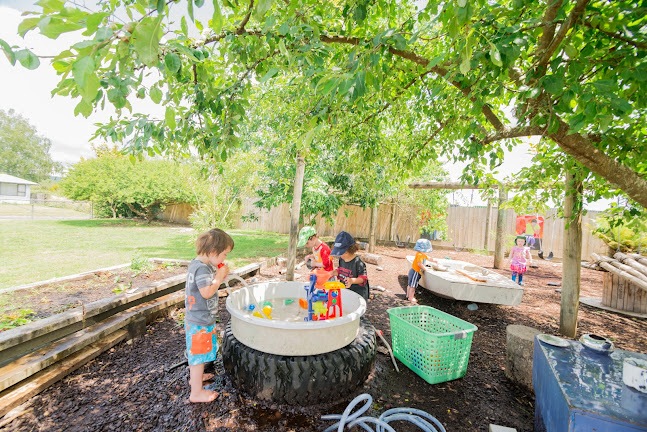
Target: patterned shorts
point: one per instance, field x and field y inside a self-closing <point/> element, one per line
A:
<point x="201" y="343"/>
<point x="518" y="268"/>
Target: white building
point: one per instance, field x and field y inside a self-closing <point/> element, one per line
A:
<point x="14" y="189"/>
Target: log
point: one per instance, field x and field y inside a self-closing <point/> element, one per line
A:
<point x="626" y="276"/>
<point x="640" y="258"/>
<point x="371" y="258"/>
<point x="623" y="267"/>
<point x="631" y="262"/>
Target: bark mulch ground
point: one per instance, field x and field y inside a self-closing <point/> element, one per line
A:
<point x="129" y="388"/>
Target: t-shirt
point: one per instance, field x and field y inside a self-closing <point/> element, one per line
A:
<point x="518" y="255"/>
<point x="322" y="255"/>
<point x="354" y="268"/>
<point x="199" y="275"/>
<point x="418" y="261"/>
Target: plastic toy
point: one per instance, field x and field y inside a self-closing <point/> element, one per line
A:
<point x="267" y="310"/>
<point x="288" y="301"/>
<point x="322" y="304"/>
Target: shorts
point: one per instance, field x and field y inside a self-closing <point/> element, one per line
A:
<point x="201" y="343"/>
<point x="413" y="279"/>
<point x="518" y="268"/>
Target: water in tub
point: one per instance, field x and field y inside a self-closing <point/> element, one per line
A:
<point x="284" y="309"/>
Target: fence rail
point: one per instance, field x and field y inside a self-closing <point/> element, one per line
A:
<point x="39" y="208"/>
<point x="466" y="225"/>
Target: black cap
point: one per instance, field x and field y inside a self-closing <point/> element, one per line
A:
<point x="342" y="243"/>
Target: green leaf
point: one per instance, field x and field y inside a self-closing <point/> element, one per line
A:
<point x="81" y="70"/>
<point x="27" y="58"/>
<point x="283" y="50"/>
<point x="172" y="62"/>
<point x="462" y="3"/>
<point x="184" y="26"/>
<point x="84" y="108"/>
<point x="269" y="74"/>
<point x="52" y="27"/>
<point x="92" y="22"/>
<point x="147" y="36"/>
<point x="199" y="3"/>
<point x="359" y="14"/>
<point x="571" y="51"/>
<point x="553" y="84"/>
<point x="160" y="6"/>
<point x="217" y="20"/>
<point x="8" y="52"/>
<point x="26" y="25"/>
<point x="465" y="66"/>
<point x="495" y="56"/>
<point x="262" y="7"/>
<point x="155" y="94"/>
<point x="51" y="5"/>
<point x="190" y="9"/>
<point x="170" y="117"/>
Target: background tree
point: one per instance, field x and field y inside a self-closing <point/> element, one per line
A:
<point x="24" y="153"/>
<point x="146" y="187"/>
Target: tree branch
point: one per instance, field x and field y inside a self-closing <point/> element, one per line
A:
<point x="241" y="28"/>
<point x="517" y="132"/>
<point x="617" y="36"/>
<point x="549" y="24"/>
<point x="575" y="14"/>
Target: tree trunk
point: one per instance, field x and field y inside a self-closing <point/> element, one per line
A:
<point x="499" y="244"/>
<point x="392" y="219"/>
<point x="294" y="217"/>
<point x="371" y="238"/>
<point x="572" y="257"/>
<point x="487" y="224"/>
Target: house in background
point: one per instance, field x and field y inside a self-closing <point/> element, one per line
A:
<point x="14" y="189"/>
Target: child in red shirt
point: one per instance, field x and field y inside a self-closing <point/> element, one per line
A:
<point x="320" y="256"/>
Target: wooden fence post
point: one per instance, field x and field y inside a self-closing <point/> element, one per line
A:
<point x="371" y="238"/>
<point x="294" y="217"/>
<point x="499" y="244"/>
<point x="487" y="224"/>
<point x="572" y="257"/>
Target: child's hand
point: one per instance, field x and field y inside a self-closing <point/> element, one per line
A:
<point x="347" y="282"/>
<point x="222" y="272"/>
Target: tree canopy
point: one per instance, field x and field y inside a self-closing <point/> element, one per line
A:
<point x="24" y="153"/>
<point x="463" y="78"/>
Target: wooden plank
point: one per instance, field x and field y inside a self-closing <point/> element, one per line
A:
<point x="606" y="288"/>
<point x="36" y="361"/>
<point x="643" y="302"/>
<point x="30" y="387"/>
<point x="630" y="296"/>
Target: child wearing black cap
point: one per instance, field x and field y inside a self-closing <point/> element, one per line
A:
<point x="351" y="270"/>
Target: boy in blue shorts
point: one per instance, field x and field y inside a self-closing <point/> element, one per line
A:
<point x="423" y="246"/>
<point x="212" y="248"/>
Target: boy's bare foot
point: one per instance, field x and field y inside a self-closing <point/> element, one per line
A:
<point x="413" y="300"/>
<point x="203" y="395"/>
<point x="207" y="376"/>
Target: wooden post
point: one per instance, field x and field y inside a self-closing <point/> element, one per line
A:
<point x="294" y="218"/>
<point x="371" y="238"/>
<point x="487" y="223"/>
<point x="572" y="257"/>
<point x="392" y="219"/>
<point x="499" y="244"/>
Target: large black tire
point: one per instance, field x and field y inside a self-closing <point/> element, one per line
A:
<point x="300" y="380"/>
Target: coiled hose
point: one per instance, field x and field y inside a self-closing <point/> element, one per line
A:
<point x="415" y="416"/>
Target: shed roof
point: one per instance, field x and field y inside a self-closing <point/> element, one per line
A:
<point x="6" y="178"/>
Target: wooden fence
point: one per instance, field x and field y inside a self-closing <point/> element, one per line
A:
<point x="466" y="225"/>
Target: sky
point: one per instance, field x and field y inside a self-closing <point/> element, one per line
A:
<point x="29" y="94"/>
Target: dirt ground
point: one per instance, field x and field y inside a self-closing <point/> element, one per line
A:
<point x="130" y="388"/>
<point x="54" y="298"/>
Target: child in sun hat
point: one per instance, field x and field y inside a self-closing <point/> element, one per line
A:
<point x="520" y="258"/>
<point x="212" y="248"/>
<point x="417" y="268"/>
<point x="320" y="256"/>
<point x="351" y="270"/>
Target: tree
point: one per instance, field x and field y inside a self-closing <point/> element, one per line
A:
<point x="145" y="187"/>
<point x="573" y="72"/>
<point x="24" y="153"/>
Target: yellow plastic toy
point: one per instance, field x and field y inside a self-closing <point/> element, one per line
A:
<point x="267" y="310"/>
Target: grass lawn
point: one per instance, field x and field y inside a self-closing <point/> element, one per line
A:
<point x="32" y="251"/>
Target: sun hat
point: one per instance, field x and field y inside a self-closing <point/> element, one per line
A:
<point x="342" y="242"/>
<point x="423" y="245"/>
<point x="305" y="234"/>
<point x="522" y="238"/>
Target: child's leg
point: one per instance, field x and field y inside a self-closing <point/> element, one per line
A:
<point x="520" y="278"/>
<point x="514" y="276"/>
<point x="198" y="393"/>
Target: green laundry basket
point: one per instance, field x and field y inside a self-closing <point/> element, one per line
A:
<point x="432" y="343"/>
